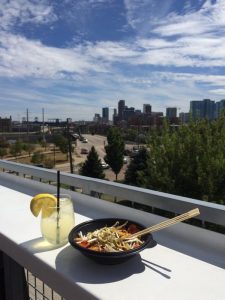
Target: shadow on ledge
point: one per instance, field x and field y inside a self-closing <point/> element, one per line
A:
<point x="85" y="270"/>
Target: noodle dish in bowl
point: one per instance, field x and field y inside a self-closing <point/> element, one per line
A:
<point x="107" y="241"/>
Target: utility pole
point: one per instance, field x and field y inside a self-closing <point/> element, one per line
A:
<point x="43" y="124"/>
<point x="54" y="154"/>
<point x="70" y="147"/>
<point x="27" y="125"/>
<point x="19" y="125"/>
<point x="70" y="151"/>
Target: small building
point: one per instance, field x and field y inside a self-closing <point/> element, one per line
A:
<point x="6" y="124"/>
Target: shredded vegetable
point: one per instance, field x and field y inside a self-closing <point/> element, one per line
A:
<point x="110" y="239"/>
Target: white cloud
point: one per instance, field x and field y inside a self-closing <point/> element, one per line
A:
<point x="24" y="11"/>
<point x="111" y="51"/>
<point x="142" y="14"/>
<point x="188" y="52"/>
<point x="194" y="38"/>
<point x="210" y="17"/>
<point x="218" y="92"/>
<point x="21" y="57"/>
<point x="209" y="80"/>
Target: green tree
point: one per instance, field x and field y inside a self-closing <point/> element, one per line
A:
<point x="16" y="148"/>
<point x="48" y="163"/>
<point x="62" y="143"/>
<point x="114" y="150"/>
<point x="189" y="161"/>
<point x="37" y="158"/>
<point x="28" y="148"/>
<point x="137" y="164"/>
<point x="44" y="144"/>
<point x="92" y="166"/>
<point x="3" y="152"/>
<point x="131" y="134"/>
<point x="4" y="143"/>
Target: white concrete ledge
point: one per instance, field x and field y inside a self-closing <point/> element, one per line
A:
<point x="186" y="258"/>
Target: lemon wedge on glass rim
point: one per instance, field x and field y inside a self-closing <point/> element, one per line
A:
<point x="45" y="202"/>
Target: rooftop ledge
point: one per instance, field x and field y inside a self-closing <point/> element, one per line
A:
<point x="187" y="262"/>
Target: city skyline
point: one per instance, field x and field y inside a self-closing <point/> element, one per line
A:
<point x="77" y="57"/>
<point x="201" y="107"/>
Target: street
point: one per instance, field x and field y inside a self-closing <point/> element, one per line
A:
<point x="98" y="142"/>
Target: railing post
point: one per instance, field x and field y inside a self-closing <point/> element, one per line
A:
<point x="13" y="285"/>
<point x="203" y="224"/>
<point x="86" y="190"/>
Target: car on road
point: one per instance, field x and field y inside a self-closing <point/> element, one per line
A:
<point x="84" y="141"/>
<point x="134" y="153"/>
<point x="127" y="152"/>
<point x="84" y="151"/>
<point x="104" y="165"/>
<point x="124" y="160"/>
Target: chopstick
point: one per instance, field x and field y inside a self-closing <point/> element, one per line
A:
<point x="190" y="214"/>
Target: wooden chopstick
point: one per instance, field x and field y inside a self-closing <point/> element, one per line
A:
<point x="190" y="214"/>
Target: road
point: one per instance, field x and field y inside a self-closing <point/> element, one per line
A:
<point x="98" y="142"/>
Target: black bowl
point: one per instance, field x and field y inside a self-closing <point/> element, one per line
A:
<point x="109" y="258"/>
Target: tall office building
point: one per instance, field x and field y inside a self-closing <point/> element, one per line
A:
<point x="222" y="105"/>
<point x="171" y="112"/>
<point x="203" y="109"/>
<point x="219" y="108"/>
<point x="105" y="114"/>
<point x="128" y="113"/>
<point x="209" y="109"/>
<point x="121" y="108"/>
<point x="147" y="109"/>
<point x="196" y="110"/>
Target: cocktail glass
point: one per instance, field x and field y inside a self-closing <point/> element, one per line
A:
<point x="57" y="221"/>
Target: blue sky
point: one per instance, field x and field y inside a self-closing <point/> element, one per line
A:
<point x="73" y="57"/>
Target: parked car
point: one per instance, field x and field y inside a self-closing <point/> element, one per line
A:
<point x="84" y="141"/>
<point x="135" y="148"/>
<point x="125" y="160"/>
<point x="127" y="152"/>
<point x="104" y="165"/>
<point x="134" y="153"/>
<point x="84" y="151"/>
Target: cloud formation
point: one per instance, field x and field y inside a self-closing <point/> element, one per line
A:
<point x="24" y="11"/>
<point x="172" y="52"/>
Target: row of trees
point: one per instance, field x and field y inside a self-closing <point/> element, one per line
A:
<point x="37" y="157"/>
<point x="187" y="161"/>
<point x="15" y="149"/>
